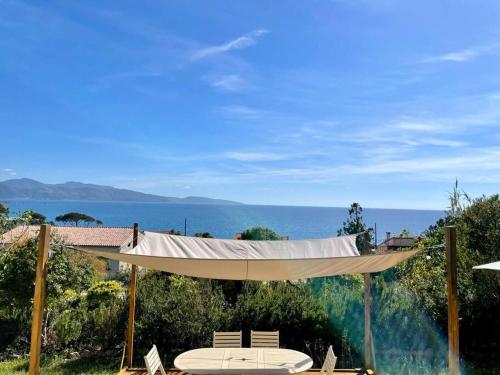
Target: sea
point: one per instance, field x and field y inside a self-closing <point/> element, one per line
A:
<point x="224" y="221"/>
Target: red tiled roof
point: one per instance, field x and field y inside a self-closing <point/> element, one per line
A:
<point x="74" y="236"/>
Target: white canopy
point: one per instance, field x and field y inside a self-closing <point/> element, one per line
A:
<point x="253" y="260"/>
<point x="488" y="266"/>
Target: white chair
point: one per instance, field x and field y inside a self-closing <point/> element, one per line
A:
<point x="262" y="339"/>
<point x="329" y="363"/>
<point x="227" y="339"/>
<point x="153" y="362"/>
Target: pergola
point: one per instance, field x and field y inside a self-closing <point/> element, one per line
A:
<point x="249" y="260"/>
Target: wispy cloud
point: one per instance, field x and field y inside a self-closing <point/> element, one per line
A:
<point x="9" y="172"/>
<point x="229" y="83"/>
<point x="241" y="112"/>
<point x="255" y="156"/>
<point x="463" y="55"/>
<point x="241" y="42"/>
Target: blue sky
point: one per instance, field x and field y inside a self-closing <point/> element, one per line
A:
<point x="384" y="102"/>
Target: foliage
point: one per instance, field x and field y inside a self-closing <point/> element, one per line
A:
<point x="173" y="232"/>
<point x="33" y="218"/>
<point x="355" y="224"/>
<point x="260" y="234"/>
<point x="177" y="313"/>
<point x="4" y="210"/>
<point x="289" y="308"/>
<point x="66" y="270"/>
<point x="203" y="235"/>
<point x="478" y="241"/>
<point x="76" y="217"/>
<point x="61" y="366"/>
<point x="104" y="291"/>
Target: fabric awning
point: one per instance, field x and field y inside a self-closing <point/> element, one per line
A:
<point x="488" y="266"/>
<point x="253" y="260"/>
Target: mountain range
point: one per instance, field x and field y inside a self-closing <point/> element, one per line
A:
<point x="28" y="189"/>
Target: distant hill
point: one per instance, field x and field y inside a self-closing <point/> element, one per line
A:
<point x="27" y="189"/>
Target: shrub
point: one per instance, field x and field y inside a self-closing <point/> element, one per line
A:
<point x="290" y="308"/>
<point x="177" y="313"/>
<point x="260" y="234"/>
<point x="104" y="292"/>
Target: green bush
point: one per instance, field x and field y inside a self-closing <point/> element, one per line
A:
<point x="104" y="292"/>
<point x="177" y="313"/>
<point x="69" y="324"/>
<point x="106" y="324"/>
<point x="290" y="308"/>
<point x="260" y="234"/>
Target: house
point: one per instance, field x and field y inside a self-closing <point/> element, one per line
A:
<point x="392" y="243"/>
<point x="97" y="238"/>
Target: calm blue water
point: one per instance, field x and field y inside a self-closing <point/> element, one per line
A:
<point x="225" y="221"/>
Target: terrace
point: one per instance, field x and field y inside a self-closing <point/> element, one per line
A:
<point x="248" y="260"/>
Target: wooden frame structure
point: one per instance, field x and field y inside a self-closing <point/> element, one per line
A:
<point x="39" y="299"/>
<point x="450" y="234"/>
<point x="131" y="308"/>
<point x="369" y="357"/>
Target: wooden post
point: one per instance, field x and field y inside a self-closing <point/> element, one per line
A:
<point x="368" y="305"/>
<point x="131" y="307"/>
<point x="39" y="298"/>
<point x="450" y="233"/>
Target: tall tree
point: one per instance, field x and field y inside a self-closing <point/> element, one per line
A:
<point x="75" y="217"/>
<point x="355" y="224"/>
<point x="4" y="210"/>
<point x="33" y="217"/>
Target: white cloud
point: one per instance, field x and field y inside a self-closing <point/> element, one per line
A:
<point x="231" y="83"/>
<point x="241" y="112"/>
<point x="472" y="164"/>
<point x="255" y="156"/>
<point x="241" y="42"/>
<point x="463" y="55"/>
<point x="442" y="142"/>
<point x="9" y="172"/>
<point x="419" y="126"/>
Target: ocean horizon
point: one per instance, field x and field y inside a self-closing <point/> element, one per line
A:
<point x="224" y="221"/>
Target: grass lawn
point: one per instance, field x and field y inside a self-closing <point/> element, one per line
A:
<point x="60" y="366"/>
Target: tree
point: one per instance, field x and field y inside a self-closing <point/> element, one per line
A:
<point x="354" y="224"/>
<point x="75" y="217"/>
<point x="172" y="232"/>
<point x="4" y="210"/>
<point x="478" y="241"/>
<point x="203" y="235"/>
<point x="34" y="218"/>
<point x="260" y="234"/>
<point x="67" y="269"/>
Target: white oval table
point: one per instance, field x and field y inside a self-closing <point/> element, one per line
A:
<point x="243" y="361"/>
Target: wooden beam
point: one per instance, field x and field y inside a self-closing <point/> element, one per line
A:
<point x="131" y="307"/>
<point x="368" y="305"/>
<point x="450" y="233"/>
<point x="39" y="299"/>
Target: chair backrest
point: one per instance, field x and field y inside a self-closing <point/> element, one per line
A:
<point x="330" y="362"/>
<point x="263" y="339"/>
<point x="227" y="339"/>
<point x="153" y="362"/>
